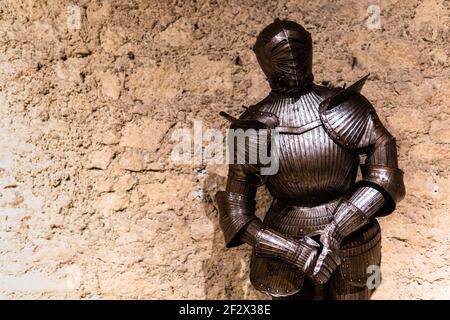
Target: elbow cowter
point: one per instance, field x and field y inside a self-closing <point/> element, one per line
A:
<point x="381" y="171"/>
<point x="235" y="212"/>
<point x="389" y="181"/>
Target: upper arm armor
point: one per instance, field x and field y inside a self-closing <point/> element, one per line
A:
<point x="254" y="127"/>
<point x="380" y="169"/>
<point x="351" y="121"/>
<point x="237" y="205"/>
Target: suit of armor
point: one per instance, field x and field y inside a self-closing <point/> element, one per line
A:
<point x="321" y="229"/>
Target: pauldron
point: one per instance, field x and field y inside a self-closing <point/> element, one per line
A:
<point x="347" y="116"/>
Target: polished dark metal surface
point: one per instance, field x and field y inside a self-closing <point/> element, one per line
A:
<point x="284" y="52"/>
<point x="321" y="133"/>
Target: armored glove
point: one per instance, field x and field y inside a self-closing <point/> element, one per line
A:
<point x="301" y="253"/>
<point x="347" y="219"/>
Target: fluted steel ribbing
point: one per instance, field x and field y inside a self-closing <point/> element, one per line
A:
<point x="311" y="162"/>
<point x="322" y="132"/>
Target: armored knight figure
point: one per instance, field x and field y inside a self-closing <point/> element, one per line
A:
<point x="320" y="231"/>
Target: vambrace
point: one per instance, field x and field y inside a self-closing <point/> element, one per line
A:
<point x="235" y="212"/>
<point x="351" y="215"/>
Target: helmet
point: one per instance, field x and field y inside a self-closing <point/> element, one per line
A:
<point x="284" y="52"/>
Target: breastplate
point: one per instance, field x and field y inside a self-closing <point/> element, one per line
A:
<point x="313" y="169"/>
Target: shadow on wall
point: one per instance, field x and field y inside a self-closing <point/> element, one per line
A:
<point x="226" y="271"/>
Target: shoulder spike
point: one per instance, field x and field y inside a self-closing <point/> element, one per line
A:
<point x="343" y="94"/>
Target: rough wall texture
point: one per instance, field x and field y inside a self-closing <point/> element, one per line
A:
<point x="91" y="205"/>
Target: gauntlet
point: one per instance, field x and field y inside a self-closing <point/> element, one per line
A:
<point x="348" y="217"/>
<point x="301" y="253"/>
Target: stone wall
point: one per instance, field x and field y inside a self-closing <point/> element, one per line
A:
<point x="91" y="205"/>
